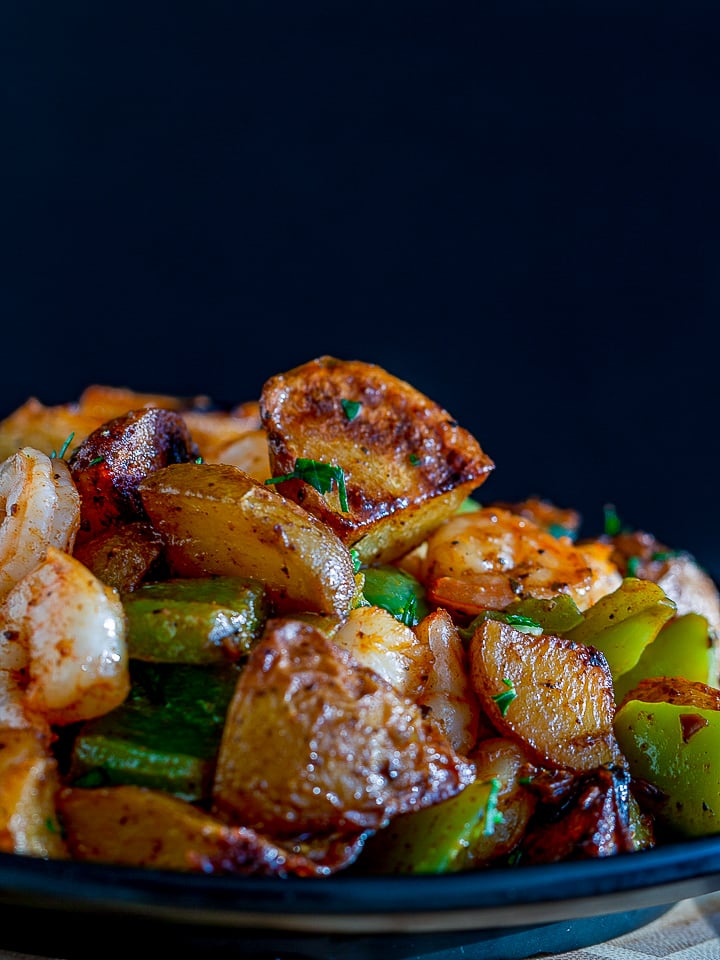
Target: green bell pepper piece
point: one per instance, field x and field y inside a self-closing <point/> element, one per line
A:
<point x="622" y="623"/>
<point x="682" y="648"/>
<point x="195" y="620"/>
<point x="166" y="735"/>
<point x="675" y="747"/>
<point x="396" y="591"/>
<point x="436" y="839"/>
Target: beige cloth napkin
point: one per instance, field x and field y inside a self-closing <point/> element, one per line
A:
<point x="689" y="931"/>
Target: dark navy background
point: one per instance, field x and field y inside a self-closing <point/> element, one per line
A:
<point x="512" y="205"/>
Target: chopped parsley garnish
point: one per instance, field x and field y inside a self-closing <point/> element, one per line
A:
<point x="351" y="408"/>
<point x="632" y="566"/>
<point x="199" y="460"/>
<point x="319" y="475"/>
<point x="557" y="530"/>
<point x="504" y="699"/>
<point x="96" y="461"/>
<point x="492" y="815"/>
<point x="414" y="459"/>
<point x="357" y="563"/>
<point x="612" y="525"/>
<point x="63" y="448"/>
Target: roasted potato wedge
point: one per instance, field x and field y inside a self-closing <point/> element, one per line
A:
<point x="140" y="827"/>
<point x="109" y="464"/>
<point x="123" y="556"/>
<point x="406" y="463"/>
<point x="556" y="696"/>
<point x="29" y="782"/>
<point x="216" y="519"/>
<point x="314" y="742"/>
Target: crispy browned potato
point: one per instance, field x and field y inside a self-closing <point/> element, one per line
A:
<point x="406" y="463"/>
<point x="148" y="828"/>
<point x="248" y="451"/>
<point x="314" y="742"/>
<point x="29" y="782"/>
<point x="44" y="428"/>
<point x="215" y="519"/>
<point x="108" y="466"/>
<point x="554" y="695"/>
<point x="122" y="556"/>
<point x="686" y="693"/>
<point x="601" y="819"/>
<point x="105" y="403"/>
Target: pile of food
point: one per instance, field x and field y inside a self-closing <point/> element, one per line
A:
<point x="291" y="639"/>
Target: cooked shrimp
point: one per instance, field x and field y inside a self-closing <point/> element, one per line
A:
<point x="62" y="645"/>
<point x="449" y="693"/>
<point x="39" y="507"/>
<point x="486" y="559"/>
<point x="378" y="640"/>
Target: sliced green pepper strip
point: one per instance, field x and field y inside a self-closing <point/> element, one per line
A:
<point x="682" y="648"/>
<point x="165" y="736"/>
<point x="202" y="621"/>
<point x="621" y="624"/>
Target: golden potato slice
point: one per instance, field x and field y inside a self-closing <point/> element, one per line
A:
<point x="314" y="742"/>
<point x="554" y="695"/>
<point x="406" y="463"/>
<point x="676" y="690"/>
<point x="29" y="782"/>
<point x="122" y="556"/>
<point x="248" y="451"/>
<point x="215" y="519"/>
<point x="140" y="827"/>
<point x="45" y="428"/>
<point x="104" y="402"/>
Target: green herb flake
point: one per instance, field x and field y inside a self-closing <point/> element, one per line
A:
<point x="557" y="530"/>
<point x="199" y="460"/>
<point x="357" y="563"/>
<point x="96" y="461"/>
<point x="612" y="525"/>
<point x="632" y="566"/>
<point x="63" y="448"/>
<point x="414" y="459"/>
<point x="492" y="815"/>
<point x="504" y="699"/>
<point x="321" y="476"/>
<point x="526" y="624"/>
<point x="351" y="408"/>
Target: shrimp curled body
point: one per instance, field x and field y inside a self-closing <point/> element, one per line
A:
<point x="39" y="507"/>
<point x="486" y="559"/>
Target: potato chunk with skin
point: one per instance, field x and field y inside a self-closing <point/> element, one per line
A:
<point x="137" y="826"/>
<point x="216" y="519"/>
<point x="28" y="784"/>
<point x="110" y="463"/>
<point x="314" y="742"/>
<point x="406" y="463"/>
<point x="554" y="695"/>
